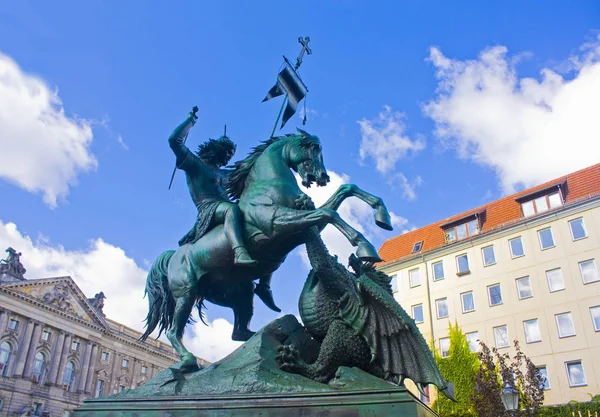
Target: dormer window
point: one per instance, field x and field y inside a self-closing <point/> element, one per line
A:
<point x="542" y="200"/>
<point x="463" y="227"/>
<point x="417" y="246"/>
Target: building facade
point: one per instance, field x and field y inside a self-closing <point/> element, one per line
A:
<point x="57" y="347"/>
<point x="523" y="268"/>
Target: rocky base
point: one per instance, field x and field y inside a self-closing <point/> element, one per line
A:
<point x="249" y="382"/>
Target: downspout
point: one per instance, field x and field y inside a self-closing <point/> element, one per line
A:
<point x="429" y="302"/>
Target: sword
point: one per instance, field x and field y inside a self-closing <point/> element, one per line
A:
<point x="194" y="111"/>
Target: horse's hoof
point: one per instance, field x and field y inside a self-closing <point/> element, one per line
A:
<point x="188" y="364"/>
<point x="382" y="219"/>
<point x="366" y="252"/>
<point x="241" y="335"/>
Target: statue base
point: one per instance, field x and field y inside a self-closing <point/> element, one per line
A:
<point x="394" y="402"/>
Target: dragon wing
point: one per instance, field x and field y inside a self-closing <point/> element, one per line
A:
<point x="396" y="343"/>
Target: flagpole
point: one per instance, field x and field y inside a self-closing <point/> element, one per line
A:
<point x="279" y="116"/>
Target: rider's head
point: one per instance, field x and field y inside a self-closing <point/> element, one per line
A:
<point x="217" y="151"/>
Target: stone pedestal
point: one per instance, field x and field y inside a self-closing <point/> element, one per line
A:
<point x="360" y="403"/>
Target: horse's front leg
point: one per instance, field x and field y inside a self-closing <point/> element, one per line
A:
<point x="289" y="221"/>
<point x="382" y="216"/>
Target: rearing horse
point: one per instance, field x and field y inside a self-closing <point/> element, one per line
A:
<point x="276" y="215"/>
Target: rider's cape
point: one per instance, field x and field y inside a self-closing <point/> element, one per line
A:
<point x="206" y="211"/>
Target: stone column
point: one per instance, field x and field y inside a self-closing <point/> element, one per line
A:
<point x="133" y="372"/>
<point x="114" y="375"/>
<point x="24" y="349"/>
<point x="3" y="320"/>
<point x="35" y="341"/>
<point x="63" y="359"/>
<point x="56" y="358"/>
<point x="85" y="365"/>
<point x="92" y="369"/>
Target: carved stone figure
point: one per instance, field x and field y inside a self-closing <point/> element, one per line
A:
<point x="12" y="264"/>
<point x="98" y="302"/>
<point x="274" y="222"/>
<point x="59" y="297"/>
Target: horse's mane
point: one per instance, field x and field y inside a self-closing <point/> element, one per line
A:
<point x="240" y="170"/>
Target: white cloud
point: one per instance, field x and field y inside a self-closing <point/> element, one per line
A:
<point x="384" y="139"/>
<point x="407" y="187"/>
<point x="105" y="267"/>
<point x="355" y="212"/>
<point x="527" y="130"/>
<point x="42" y="149"/>
<point x="212" y="342"/>
<point x="122" y="143"/>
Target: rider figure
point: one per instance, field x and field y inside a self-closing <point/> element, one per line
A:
<point x="206" y="182"/>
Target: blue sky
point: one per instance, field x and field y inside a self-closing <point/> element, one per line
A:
<point x="435" y="106"/>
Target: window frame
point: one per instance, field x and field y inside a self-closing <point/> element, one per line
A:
<point x="573" y="239"/>
<point x="462" y="301"/>
<point x="507" y="334"/>
<point x="455" y="227"/>
<point x="441" y="350"/>
<point x="476" y="341"/>
<point x="558" y="326"/>
<point x="433" y="271"/>
<point x="44" y="333"/>
<point x="412" y="311"/>
<point x="466" y="271"/>
<point x="410" y="282"/>
<point x="540" y="238"/>
<point x="597" y="329"/>
<point x="490" y="295"/>
<point x="537" y="321"/>
<point x="548" y="205"/>
<point x="75" y="345"/>
<point x="394" y="283"/>
<point x="418" y="244"/>
<point x="580" y="362"/>
<point x="528" y="277"/>
<point x="437" y="310"/>
<point x="17" y="325"/>
<point x="510" y="248"/>
<point x="144" y="369"/>
<point x="483" y="255"/>
<point x="546" y="377"/>
<point x="581" y="271"/>
<point x="561" y="277"/>
<point x="107" y="356"/>
<point x="125" y="363"/>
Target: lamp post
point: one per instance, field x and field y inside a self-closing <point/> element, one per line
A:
<point x="510" y="399"/>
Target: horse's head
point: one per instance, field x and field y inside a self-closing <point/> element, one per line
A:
<point x="307" y="160"/>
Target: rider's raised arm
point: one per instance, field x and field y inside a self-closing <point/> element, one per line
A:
<point x="185" y="158"/>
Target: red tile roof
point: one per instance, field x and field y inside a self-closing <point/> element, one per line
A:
<point x="500" y="213"/>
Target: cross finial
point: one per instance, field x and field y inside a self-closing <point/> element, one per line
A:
<point x="304" y="42"/>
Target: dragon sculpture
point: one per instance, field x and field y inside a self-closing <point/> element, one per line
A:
<point x="358" y="323"/>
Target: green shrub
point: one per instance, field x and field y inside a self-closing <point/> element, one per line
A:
<point x="571" y="409"/>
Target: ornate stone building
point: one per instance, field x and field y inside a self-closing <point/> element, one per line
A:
<point x="57" y="347"/>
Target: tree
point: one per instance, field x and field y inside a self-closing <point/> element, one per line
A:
<point x="486" y="398"/>
<point x="460" y="368"/>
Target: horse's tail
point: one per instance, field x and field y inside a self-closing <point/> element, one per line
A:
<point x="161" y="304"/>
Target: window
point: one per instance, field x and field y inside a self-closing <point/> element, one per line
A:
<point x="524" y="288"/>
<point x="461" y="231"/>
<point x="501" y="336"/>
<point x="473" y="340"/>
<point x="417" y="313"/>
<point x="541" y="204"/>
<point x="438" y="270"/>
<point x="577" y="229"/>
<point x="121" y="388"/>
<point x="555" y="280"/>
<point x="595" y="312"/>
<point x="69" y="376"/>
<point x="105" y="356"/>
<point x="424" y="396"/>
<point x="543" y="371"/>
<point x="417" y="247"/>
<point x="495" y="295"/>
<point x="46" y="335"/>
<point x="144" y="369"/>
<point x="445" y="347"/>
<point x="125" y="363"/>
<point x="516" y="247"/>
<point x="468" y="303"/>
<point x="489" y="257"/>
<point x="13" y="324"/>
<point x="39" y="363"/>
<point x="576" y="374"/>
<point x="414" y="278"/>
<point x="589" y="272"/>
<point x="462" y="264"/>
<point x="546" y="238"/>
<point x="75" y="345"/>
<point x="532" y="331"/>
<point x="441" y="306"/>
<point x="564" y="323"/>
<point x="5" y="354"/>
<point x="99" y="388"/>
<point x="394" y="282"/>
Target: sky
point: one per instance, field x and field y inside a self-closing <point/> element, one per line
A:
<point x="437" y="107"/>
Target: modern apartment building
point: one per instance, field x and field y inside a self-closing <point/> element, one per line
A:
<point x="524" y="268"/>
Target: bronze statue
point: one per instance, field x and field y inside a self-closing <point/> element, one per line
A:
<point x="12" y="264"/>
<point x="274" y="221"/>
